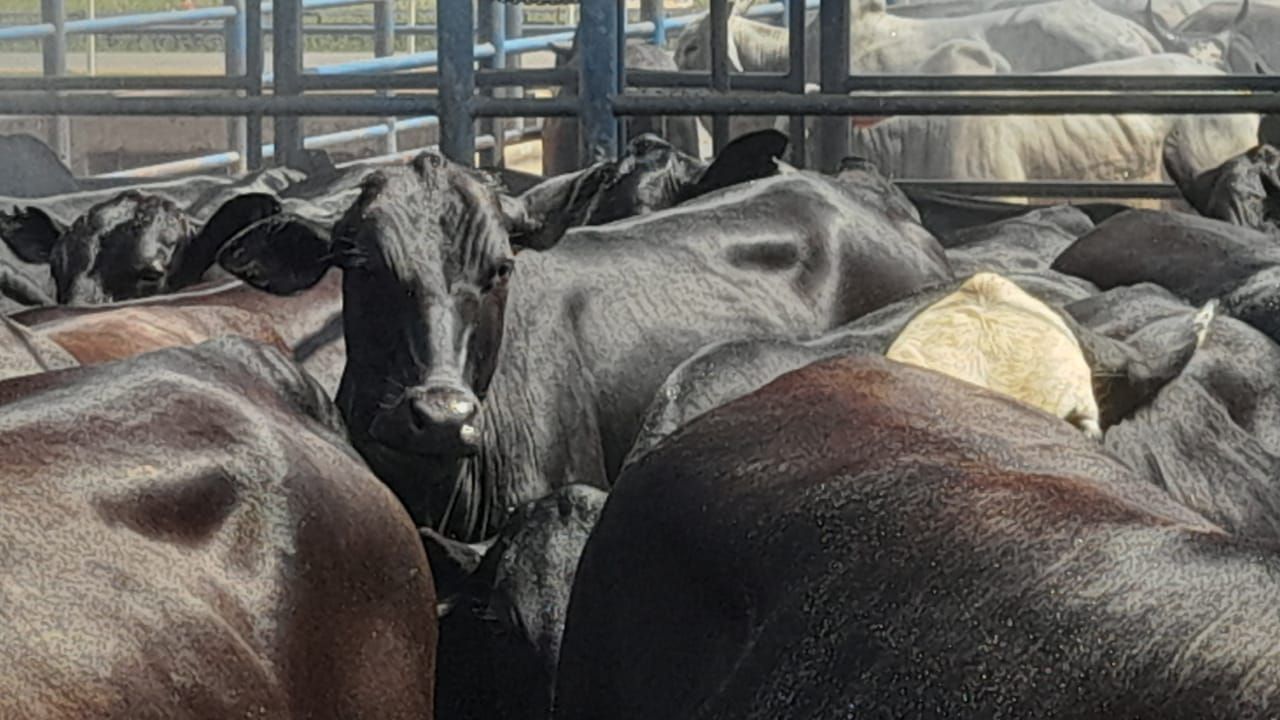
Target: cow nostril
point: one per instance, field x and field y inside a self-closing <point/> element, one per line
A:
<point x="151" y="274"/>
<point x="439" y="409"/>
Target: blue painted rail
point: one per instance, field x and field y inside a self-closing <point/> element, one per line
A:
<point x="230" y="14"/>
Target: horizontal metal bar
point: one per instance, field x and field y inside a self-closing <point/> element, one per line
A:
<point x="1060" y="82"/>
<point x="191" y="105"/>
<point x="317" y="142"/>
<point x="117" y="23"/>
<point x="652" y="78"/>
<point x="393" y="63"/>
<point x="319" y="105"/>
<point x="178" y="167"/>
<point x="268" y="8"/>
<point x="702" y="79"/>
<point x="483" y="142"/>
<point x="525" y="107"/>
<point x="123" y="83"/>
<point x="144" y="19"/>
<point x="26" y="32"/>
<point x="423" y="80"/>
<point x="514" y="46"/>
<point x="738" y="103"/>
<point x="222" y="160"/>
<point x="1047" y="188"/>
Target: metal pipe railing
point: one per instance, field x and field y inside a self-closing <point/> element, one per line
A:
<point x="915" y="94"/>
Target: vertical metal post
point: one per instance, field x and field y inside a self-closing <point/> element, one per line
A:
<point x="794" y="19"/>
<point x="254" y="58"/>
<point x="413" y="23"/>
<point x="286" y="53"/>
<point x="719" y="69"/>
<point x="384" y="44"/>
<point x="55" y="65"/>
<point x="598" y="79"/>
<point x="621" y="85"/>
<point x="493" y="30"/>
<point x="656" y="12"/>
<point x="786" y="13"/>
<point x="833" y="132"/>
<point x="455" y="23"/>
<point x="514" y="30"/>
<point x="233" y="39"/>
<point x="91" y="53"/>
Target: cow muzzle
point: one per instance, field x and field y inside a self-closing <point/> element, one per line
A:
<point x="431" y="420"/>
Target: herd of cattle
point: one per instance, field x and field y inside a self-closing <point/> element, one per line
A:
<point x="1076" y="37"/>
<point x="664" y="437"/>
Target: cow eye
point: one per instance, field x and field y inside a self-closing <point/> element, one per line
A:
<point x="503" y="270"/>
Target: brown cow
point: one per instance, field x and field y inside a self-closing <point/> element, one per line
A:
<point x="187" y="534"/>
<point x="121" y="333"/>
<point x="309" y="323"/>
<point x="866" y="539"/>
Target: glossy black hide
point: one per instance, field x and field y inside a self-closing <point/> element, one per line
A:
<point x="503" y="607"/>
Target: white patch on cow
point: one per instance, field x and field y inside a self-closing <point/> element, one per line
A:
<point x="1203" y="319"/>
<point x="706" y="145"/>
<point x="993" y="334"/>
<point x="1209" y="53"/>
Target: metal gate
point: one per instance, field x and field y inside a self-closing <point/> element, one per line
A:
<point x="458" y="94"/>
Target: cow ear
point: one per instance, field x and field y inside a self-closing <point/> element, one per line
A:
<point x="747" y="157"/>
<point x="235" y="215"/>
<point x="542" y="214"/>
<point x="30" y="233"/>
<point x="453" y="563"/>
<point x="281" y="254"/>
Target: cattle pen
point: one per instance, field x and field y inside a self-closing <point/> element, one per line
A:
<point x="469" y="81"/>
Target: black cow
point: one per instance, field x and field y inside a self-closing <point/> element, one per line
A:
<point x="1197" y="258"/>
<point x="130" y="246"/>
<point x="1244" y="190"/>
<point x="188" y="534"/>
<point x="948" y="214"/>
<point x="867" y="539"/>
<point x="560" y="136"/>
<point x="504" y="604"/>
<point x="1125" y="377"/>
<point x="651" y="175"/>
<point x="591" y="328"/>
<point x="32" y="169"/>
<point x="1211" y="437"/>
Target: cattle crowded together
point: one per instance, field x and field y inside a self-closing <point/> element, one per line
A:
<point x="666" y="436"/>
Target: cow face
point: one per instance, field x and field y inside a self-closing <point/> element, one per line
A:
<point x="652" y="175"/>
<point x="426" y="262"/>
<point x="1228" y="50"/>
<point x="120" y="249"/>
<point x="134" y="245"/>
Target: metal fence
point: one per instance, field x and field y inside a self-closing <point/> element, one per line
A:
<point x="457" y="93"/>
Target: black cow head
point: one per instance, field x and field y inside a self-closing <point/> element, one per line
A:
<point x="426" y="260"/>
<point x="133" y="245"/>
<point x="504" y="605"/>
<point x="1244" y="190"/>
<point x="651" y="175"/>
<point x="1229" y="49"/>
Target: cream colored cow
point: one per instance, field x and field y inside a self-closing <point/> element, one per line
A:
<point x="992" y="333"/>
